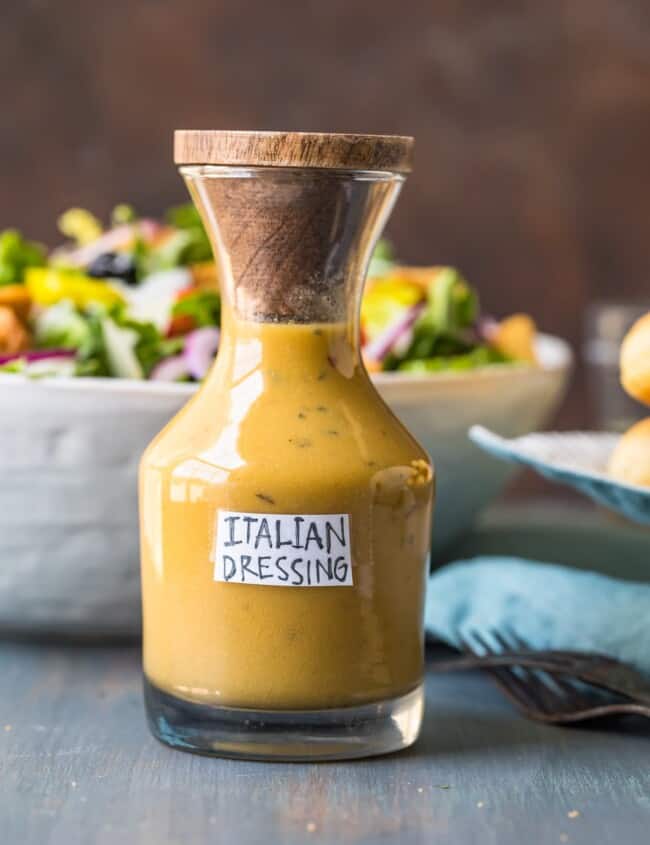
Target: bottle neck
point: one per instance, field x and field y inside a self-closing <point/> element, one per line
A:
<point x="292" y="245"/>
<point x="287" y="351"/>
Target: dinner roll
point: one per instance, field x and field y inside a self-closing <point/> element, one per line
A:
<point x="630" y="460"/>
<point x="635" y="360"/>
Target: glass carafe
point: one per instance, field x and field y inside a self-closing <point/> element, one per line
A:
<point x="285" y="512"/>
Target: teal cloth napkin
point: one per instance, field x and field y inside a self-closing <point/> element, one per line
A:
<point x="547" y="605"/>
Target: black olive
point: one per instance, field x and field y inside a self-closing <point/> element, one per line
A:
<point x="113" y="265"/>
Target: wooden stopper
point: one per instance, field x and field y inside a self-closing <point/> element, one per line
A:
<point x="390" y="153"/>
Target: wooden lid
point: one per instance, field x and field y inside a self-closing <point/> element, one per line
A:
<point x="391" y="153"/>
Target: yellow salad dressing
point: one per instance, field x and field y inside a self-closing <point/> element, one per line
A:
<point x="296" y="612"/>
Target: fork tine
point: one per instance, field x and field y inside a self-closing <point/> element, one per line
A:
<point x="535" y="683"/>
<point x="540" y="685"/>
<point x="565" y="686"/>
<point x="559" y="692"/>
<point x="508" y="680"/>
<point x="550" y="699"/>
<point x="517" y="641"/>
<point x="602" y="668"/>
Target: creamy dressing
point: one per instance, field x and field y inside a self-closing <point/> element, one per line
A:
<point x="288" y="425"/>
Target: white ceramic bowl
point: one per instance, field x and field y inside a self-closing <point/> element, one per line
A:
<point x="69" y="452"/>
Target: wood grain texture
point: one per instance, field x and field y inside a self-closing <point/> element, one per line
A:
<point x="77" y="766"/>
<point x="294" y="149"/>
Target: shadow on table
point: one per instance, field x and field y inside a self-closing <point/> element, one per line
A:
<point x="464" y="732"/>
<point x="68" y="640"/>
<point x="460" y="732"/>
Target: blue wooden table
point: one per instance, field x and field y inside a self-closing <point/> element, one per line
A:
<point x="77" y="765"/>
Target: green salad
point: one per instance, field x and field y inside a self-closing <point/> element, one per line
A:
<point x="139" y="299"/>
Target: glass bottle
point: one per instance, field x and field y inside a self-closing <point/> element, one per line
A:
<point x="285" y="512"/>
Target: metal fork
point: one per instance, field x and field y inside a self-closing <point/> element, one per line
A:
<point x="547" y="690"/>
<point x="592" y="668"/>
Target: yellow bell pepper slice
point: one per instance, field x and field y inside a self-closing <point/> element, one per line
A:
<point x="48" y="285"/>
<point x="80" y="225"/>
<point x="385" y="299"/>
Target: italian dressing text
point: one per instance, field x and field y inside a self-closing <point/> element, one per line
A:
<point x="283" y="550"/>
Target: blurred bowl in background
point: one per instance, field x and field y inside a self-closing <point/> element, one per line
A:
<point x="440" y="409"/>
<point x="68" y="477"/>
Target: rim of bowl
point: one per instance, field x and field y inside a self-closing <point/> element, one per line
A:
<point x="554" y="354"/>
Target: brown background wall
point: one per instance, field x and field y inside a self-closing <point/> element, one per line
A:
<point x="532" y="122"/>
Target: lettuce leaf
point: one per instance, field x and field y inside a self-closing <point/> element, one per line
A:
<point x="480" y="356"/>
<point x="195" y="247"/>
<point x="203" y="306"/>
<point x="133" y="348"/>
<point x="107" y="342"/>
<point x="62" y="326"/>
<point x="16" y="255"/>
<point x="446" y="326"/>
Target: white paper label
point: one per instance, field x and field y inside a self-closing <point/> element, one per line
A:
<point x="283" y="550"/>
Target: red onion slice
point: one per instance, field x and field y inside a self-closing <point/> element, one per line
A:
<point x="200" y="348"/>
<point x="173" y="368"/>
<point x="38" y="355"/>
<point x="486" y="328"/>
<point x="379" y="348"/>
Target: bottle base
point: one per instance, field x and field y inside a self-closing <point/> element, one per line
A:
<point x="290" y="735"/>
